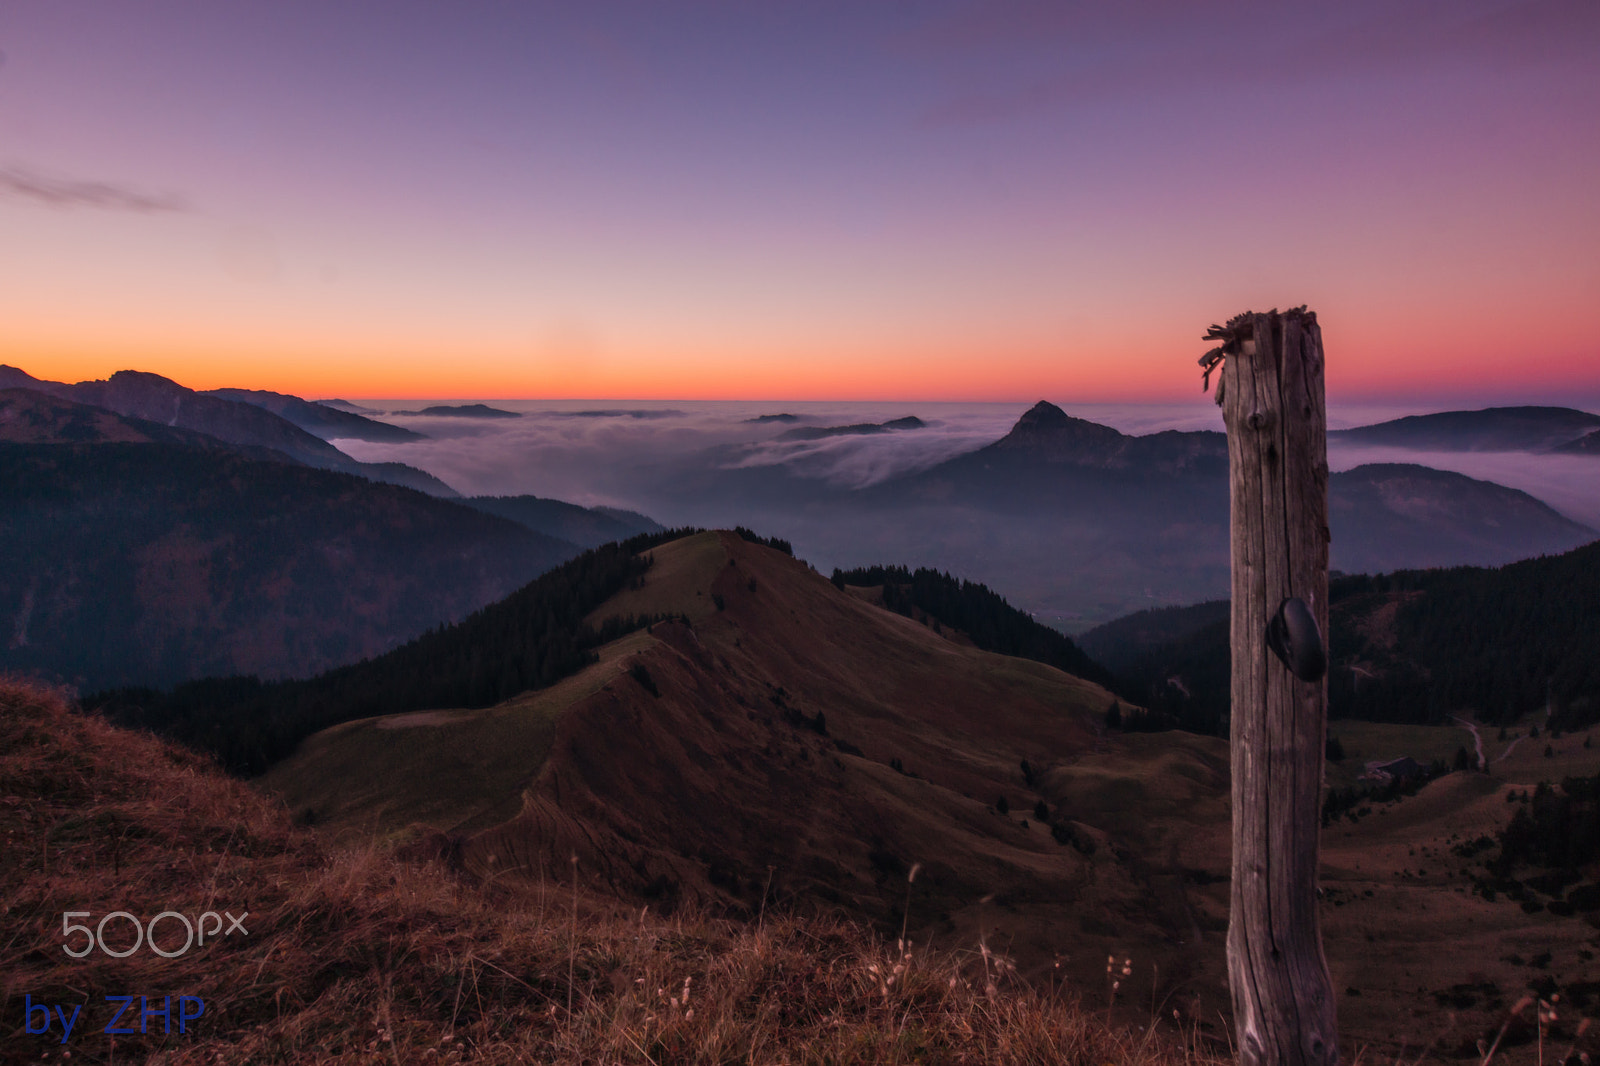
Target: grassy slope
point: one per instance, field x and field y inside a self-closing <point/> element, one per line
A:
<point x="451" y="771"/>
<point x="355" y="957"/>
<point x="462" y="770"/>
<point x="705" y="790"/>
<point x="696" y="792"/>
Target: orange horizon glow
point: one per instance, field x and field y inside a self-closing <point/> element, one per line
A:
<point x="1375" y="366"/>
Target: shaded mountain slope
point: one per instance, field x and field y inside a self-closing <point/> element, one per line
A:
<point x="1121" y="642"/>
<point x="1391" y="516"/>
<point x="158" y="399"/>
<point x="971" y="611"/>
<point x="1493" y="429"/>
<point x="28" y="416"/>
<point x="1411" y="646"/>
<point x="318" y="419"/>
<point x="1588" y="444"/>
<point x="584" y="526"/>
<point x="152" y="563"/>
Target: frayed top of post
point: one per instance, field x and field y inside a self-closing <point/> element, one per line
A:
<point x="1240" y="328"/>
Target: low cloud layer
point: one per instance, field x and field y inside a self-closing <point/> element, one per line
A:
<point x="628" y="456"/>
<point x="636" y="456"/>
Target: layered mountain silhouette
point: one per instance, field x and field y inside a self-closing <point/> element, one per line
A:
<point x="1493" y="429"/>
<point x="28" y="416"/>
<point x="1082" y="523"/>
<point x="856" y="429"/>
<point x="468" y="410"/>
<point x="584" y="526"/>
<point x="144" y="553"/>
<point x="157" y="399"/>
<point x="328" y="421"/>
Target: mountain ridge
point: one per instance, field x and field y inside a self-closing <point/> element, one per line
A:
<point x="1491" y="429"/>
<point x="326" y="421"/>
<point x="140" y="394"/>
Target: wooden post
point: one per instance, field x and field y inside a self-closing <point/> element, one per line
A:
<point x="1271" y="395"/>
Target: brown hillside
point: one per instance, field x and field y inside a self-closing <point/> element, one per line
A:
<point x="720" y="786"/>
<point x="353" y="957"/>
<point x="689" y="766"/>
<point x="727" y="772"/>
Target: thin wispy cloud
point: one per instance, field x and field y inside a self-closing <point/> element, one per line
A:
<point x="19" y="183"/>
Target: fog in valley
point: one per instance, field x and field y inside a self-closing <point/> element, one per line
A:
<point x="848" y="491"/>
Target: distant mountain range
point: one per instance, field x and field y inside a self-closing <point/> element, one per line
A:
<point x="1493" y="429"/>
<point x="1065" y="511"/>
<point x="856" y="430"/>
<point x="784" y="417"/>
<point x="1060" y="511"/>
<point x="146" y="553"/>
<point x="158" y="399"/>
<point x="469" y="410"/>
<point x="346" y="405"/>
<point x="327" y="421"/>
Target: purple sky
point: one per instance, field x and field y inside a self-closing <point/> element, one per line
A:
<point x="959" y="201"/>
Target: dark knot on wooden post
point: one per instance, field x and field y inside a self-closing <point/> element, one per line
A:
<point x="1294" y="638"/>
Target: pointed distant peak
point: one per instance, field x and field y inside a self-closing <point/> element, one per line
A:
<point x="1045" y="420"/>
<point x="1048" y="432"/>
<point x="1043" y="415"/>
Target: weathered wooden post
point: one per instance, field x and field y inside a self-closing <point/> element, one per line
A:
<point x="1271" y="396"/>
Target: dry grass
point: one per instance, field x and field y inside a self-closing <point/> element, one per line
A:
<point x="355" y="956"/>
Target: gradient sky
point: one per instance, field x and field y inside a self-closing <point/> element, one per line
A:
<point x="979" y="201"/>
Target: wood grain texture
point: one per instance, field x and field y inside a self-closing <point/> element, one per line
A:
<point x="1274" y="411"/>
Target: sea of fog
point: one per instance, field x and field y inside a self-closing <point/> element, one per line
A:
<point x="624" y="453"/>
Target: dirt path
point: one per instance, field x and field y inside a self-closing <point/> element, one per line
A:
<point x="1477" y="741"/>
